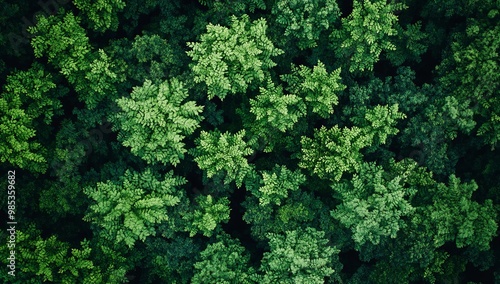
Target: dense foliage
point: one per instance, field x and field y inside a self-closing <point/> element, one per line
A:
<point x="251" y="141"/>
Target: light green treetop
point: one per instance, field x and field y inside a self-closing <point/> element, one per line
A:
<point x="127" y="210"/>
<point x="209" y="213"/>
<point x="333" y="151"/>
<point x="373" y="205"/>
<point x="318" y="87"/>
<point x="299" y="256"/>
<point x="271" y="107"/>
<point x="223" y="154"/>
<point x="52" y="260"/>
<point x="275" y="185"/>
<point x="230" y="60"/>
<point x="154" y="120"/>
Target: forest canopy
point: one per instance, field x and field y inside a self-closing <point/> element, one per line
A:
<point x="250" y="141"/>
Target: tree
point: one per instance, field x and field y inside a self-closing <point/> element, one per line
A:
<point x="103" y="76"/>
<point x="69" y="152"/>
<point x="67" y="47"/>
<point x="380" y="123"/>
<point x="470" y="72"/>
<point x="373" y="206"/>
<point x="275" y="185"/>
<point x="153" y="57"/>
<point x="273" y="119"/>
<point x="102" y="14"/>
<point x="300" y="256"/>
<point x="469" y="224"/>
<point x="333" y="151"/>
<point x="154" y="120"/>
<point x="170" y="260"/>
<point x="432" y="130"/>
<point x="231" y="60"/>
<point x="401" y="90"/>
<point x="224" y="261"/>
<point x="49" y="259"/>
<point x="421" y="248"/>
<point x="305" y="20"/>
<point x="29" y="99"/>
<point x="318" y="87"/>
<point x="365" y="33"/>
<point x="207" y="215"/>
<point x="301" y="208"/>
<point x="127" y="210"/>
<point x="223" y="154"/>
<point x="410" y="44"/>
<point x="38" y="92"/>
<point x="273" y="108"/>
<point x="64" y="42"/>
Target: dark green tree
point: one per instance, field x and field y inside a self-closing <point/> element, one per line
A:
<point x="102" y="14"/>
<point x="51" y="260"/>
<point x="300" y="209"/>
<point x="470" y="72"/>
<point x="366" y="33"/>
<point x="305" y="20"/>
<point x="65" y="43"/>
<point x="170" y="260"/>
<point x="224" y="261"/>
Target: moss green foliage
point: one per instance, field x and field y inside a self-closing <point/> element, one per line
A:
<point x="373" y="206"/>
<point x="250" y="141"/>
<point x="332" y="152"/>
<point x="275" y="184"/>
